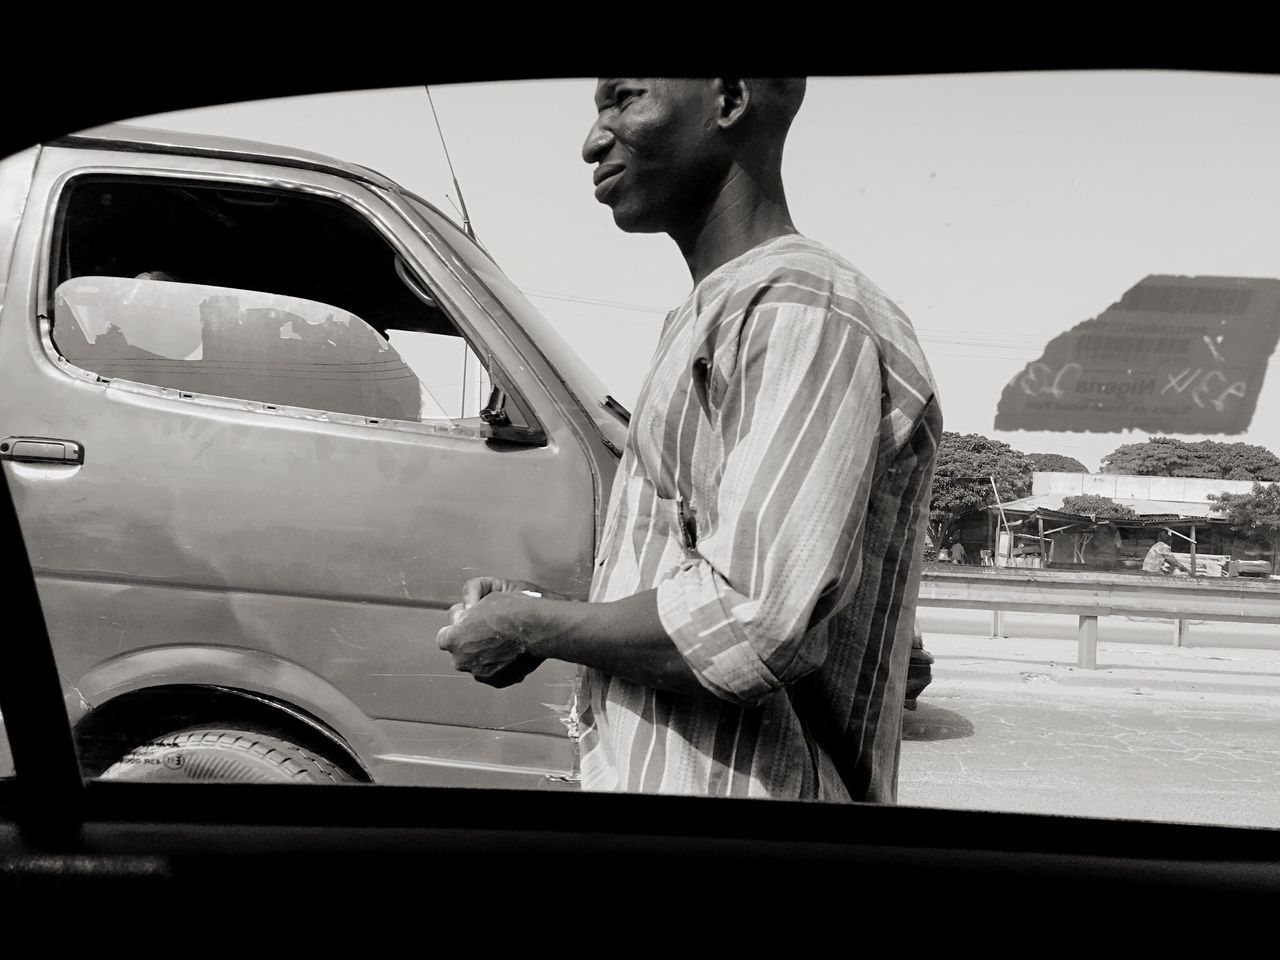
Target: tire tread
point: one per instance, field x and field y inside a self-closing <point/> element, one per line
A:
<point x="299" y="763"/>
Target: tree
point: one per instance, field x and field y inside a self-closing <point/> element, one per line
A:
<point x="1255" y="514"/>
<point x="1100" y="508"/>
<point x="1167" y="457"/>
<point x="961" y="480"/>
<point x="1056" y="461"/>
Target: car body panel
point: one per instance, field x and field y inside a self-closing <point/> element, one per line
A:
<point x="118" y="137"/>
<point x="298" y="555"/>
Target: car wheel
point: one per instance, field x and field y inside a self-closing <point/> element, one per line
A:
<point x="208" y="754"/>
<point x="919" y="670"/>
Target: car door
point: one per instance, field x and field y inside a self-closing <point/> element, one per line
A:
<point x="304" y="554"/>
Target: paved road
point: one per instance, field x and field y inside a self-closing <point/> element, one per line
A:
<point x="1101" y="753"/>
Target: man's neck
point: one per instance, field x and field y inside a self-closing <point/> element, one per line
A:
<point x="744" y="214"/>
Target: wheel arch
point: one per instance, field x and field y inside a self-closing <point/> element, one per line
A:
<point x="115" y="727"/>
<point x="159" y="686"/>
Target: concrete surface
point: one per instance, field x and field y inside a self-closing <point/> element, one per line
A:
<point x="1158" y="732"/>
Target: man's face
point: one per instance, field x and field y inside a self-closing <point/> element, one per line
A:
<point x="655" y="145"/>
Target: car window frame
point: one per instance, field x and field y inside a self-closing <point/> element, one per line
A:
<point x="20" y="698"/>
<point x="525" y="420"/>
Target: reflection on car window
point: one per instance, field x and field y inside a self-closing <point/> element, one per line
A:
<point x="1180" y="354"/>
<point x="257" y="296"/>
<point x="232" y="343"/>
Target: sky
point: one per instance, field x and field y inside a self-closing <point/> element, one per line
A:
<point x="997" y="210"/>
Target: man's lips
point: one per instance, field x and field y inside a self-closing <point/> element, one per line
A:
<point x="606" y="170"/>
<point x="606" y="175"/>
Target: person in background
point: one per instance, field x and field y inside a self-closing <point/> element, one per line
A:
<point x="1160" y="555"/>
<point x="957" y="552"/>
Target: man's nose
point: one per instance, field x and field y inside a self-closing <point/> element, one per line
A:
<point x="597" y="144"/>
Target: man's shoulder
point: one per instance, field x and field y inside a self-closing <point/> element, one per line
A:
<point x="806" y="272"/>
<point x="801" y="258"/>
<point x="796" y="271"/>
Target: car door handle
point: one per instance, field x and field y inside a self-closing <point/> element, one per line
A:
<point x="41" y="450"/>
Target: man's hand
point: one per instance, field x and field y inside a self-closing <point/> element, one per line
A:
<point x="499" y="636"/>
<point x="479" y="587"/>
<point x="489" y="638"/>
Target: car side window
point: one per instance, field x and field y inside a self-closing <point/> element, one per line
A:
<point x="252" y="294"/>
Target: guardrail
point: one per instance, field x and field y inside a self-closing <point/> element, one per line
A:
<point x="1093" y="595"/>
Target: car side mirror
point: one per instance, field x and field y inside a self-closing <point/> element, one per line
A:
<point x="498" y="425"/>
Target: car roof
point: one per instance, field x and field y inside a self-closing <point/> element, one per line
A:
<point x="137" y="138"/>
<point x="121" y="136"/>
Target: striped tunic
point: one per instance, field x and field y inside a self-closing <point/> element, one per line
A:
<point x="774" y="489"/>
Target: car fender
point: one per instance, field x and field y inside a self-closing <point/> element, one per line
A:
<point x="280" y="683"/>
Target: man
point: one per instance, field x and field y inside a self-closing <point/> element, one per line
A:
<point x="1160" y="554"/>
<point x="751" y="615"/>
<point x="957" y="552"/>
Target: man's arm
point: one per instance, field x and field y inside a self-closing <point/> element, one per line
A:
<point x="1167" y="554"/>
<point x="624" y="638"/>
<point x="778" y="545"/>
<point x="780" y="549"/>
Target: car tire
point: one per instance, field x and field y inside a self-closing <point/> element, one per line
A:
<point x="221" y="754"/>
<point x="919" y="670"/>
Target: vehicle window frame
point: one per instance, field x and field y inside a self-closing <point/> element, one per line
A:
<point x="911" y="831"/>
<point x="547" y="339"/>
<point x="49" y="267"/>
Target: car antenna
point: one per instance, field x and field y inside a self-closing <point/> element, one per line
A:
<point x="466" y="220"/>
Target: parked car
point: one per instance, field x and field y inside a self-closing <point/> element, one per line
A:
<point x="264" y="413"/>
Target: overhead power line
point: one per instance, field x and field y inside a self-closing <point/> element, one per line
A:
<point x="617" y="304"/>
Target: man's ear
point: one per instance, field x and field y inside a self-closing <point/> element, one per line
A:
<point x="734" y="101"/>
